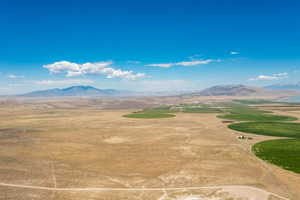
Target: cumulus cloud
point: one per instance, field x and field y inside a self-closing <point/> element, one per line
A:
<point x="64" y="82"/>
<point x="194" y="62"/>
<point x="183" y="63"/>
<point x="234" y="53"/>
<point x="165" y="65"/>
<point x="270" y="77"/>
<point x="104" y="68"/>
<point x="13" y="76"/>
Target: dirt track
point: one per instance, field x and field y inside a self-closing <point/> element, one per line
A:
<point x="231" y="188"/>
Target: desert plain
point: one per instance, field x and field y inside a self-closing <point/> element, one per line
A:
<point x="85" y="149"/>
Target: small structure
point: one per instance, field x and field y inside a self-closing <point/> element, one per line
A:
<point x="241" y="137"/>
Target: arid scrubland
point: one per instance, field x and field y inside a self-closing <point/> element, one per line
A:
<point x="84" y="149"/>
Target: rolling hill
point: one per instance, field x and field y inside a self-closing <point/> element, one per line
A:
<point x="240" y="90"/>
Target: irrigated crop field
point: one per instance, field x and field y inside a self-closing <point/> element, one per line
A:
<point x="68" y="151"/>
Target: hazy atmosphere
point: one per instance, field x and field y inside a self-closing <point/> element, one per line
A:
<point x="149" y="100"/>
<point x="147" y="45"/>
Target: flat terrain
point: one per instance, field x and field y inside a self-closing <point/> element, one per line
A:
<point x="69" y="151"/>
<point x="257" y="117"/>
<point x="149" y="115"/>
<point x="277" y="129"/>
<point x="284" y="153"/>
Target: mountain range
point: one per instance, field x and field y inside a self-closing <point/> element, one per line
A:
<point x="241" y="90"/>
<point x="219" y="90"/>
<point x="76" y="91"/>
<point x="229" y="90"/>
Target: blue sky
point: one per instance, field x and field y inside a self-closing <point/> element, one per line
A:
<point x="147" y="45"/>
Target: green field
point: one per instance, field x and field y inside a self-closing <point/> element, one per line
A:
<point x="161" y="109"/>
<point x="244" y="109"/>
<point x="168" y="111"/>
<point x="149" y="115"/>
<point x="284" y="153"/>
<point x="257" y="117"/>
<point x="253" y="101"/>
<point x="201" y="110"/>
<point x="241" y="112"/>
<point x="278" y="129"/>
<point x="197" y="108"/>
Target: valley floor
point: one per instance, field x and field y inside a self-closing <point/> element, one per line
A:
<point x="89" y="153"/>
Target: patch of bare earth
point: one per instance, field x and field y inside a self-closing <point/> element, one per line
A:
<point x="80" y="147"/>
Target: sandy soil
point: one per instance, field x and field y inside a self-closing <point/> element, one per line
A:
<point x="84" y="147"/>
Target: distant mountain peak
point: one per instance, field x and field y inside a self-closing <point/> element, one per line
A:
<point x="229" y="90"/>
<point x="79" y="90"/>
<point x="83" y="87"/>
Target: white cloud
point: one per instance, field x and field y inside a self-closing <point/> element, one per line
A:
<point x="270" y="77"/>
<point x="74" y="69"/>
<point x="166" y="65"/>
<point x="284" y="74"/>
<point x="64" y="82"/>
<point x="234" y="53"/>
<point x="184" y="63"/>
<point x="13" y="76"/>
<point x="194" y="62"/>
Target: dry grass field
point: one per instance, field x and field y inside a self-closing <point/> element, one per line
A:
<point x="68" y="151"/>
